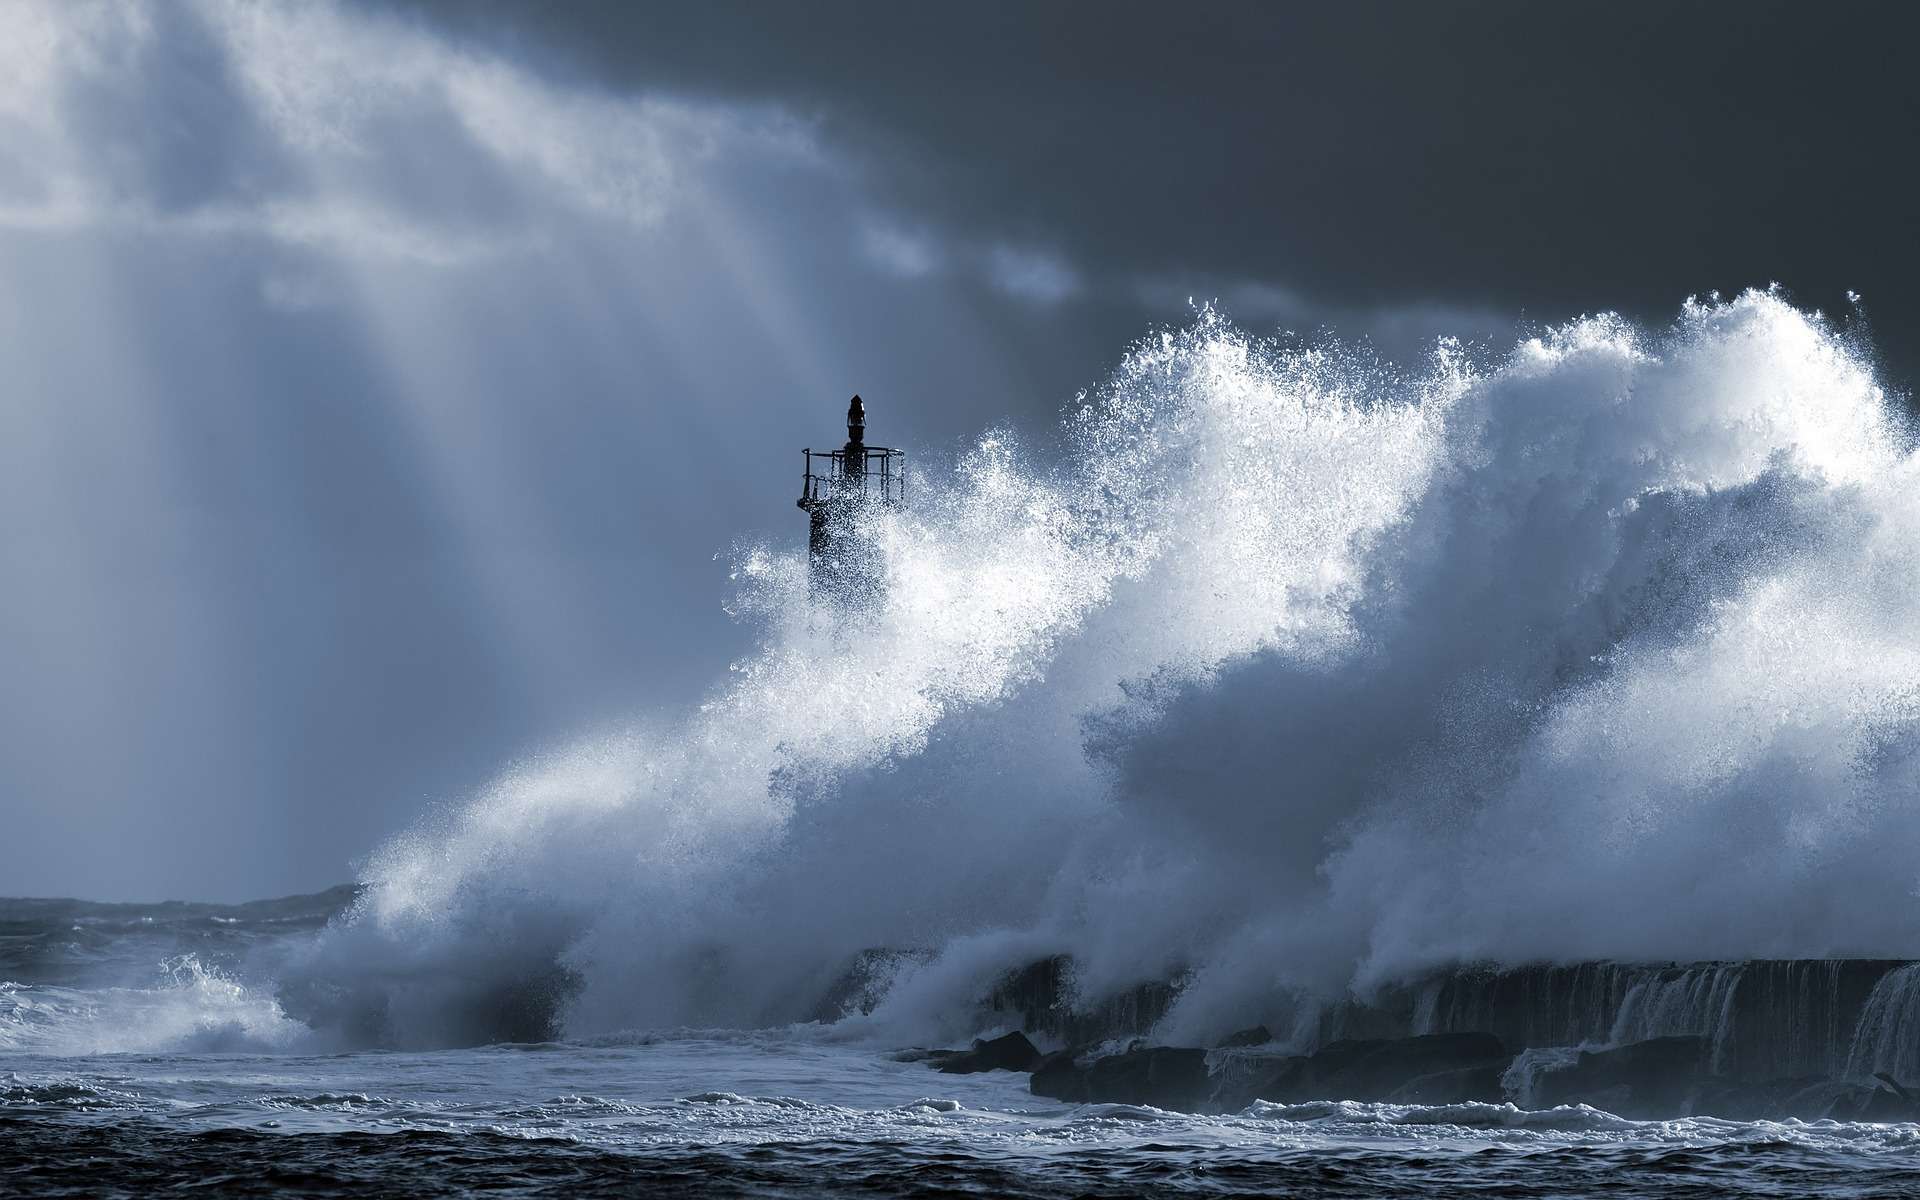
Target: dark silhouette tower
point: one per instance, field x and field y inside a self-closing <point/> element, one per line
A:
<point x="840" y="485"/>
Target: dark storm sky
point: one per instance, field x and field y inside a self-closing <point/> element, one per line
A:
<point x="387" y="386"/>
<point x="1545" y="158"/>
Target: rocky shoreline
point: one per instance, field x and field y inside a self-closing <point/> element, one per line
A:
<point x="1806" y="1039"/>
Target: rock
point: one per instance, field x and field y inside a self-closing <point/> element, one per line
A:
<point x="1240" y="1078"/>
<point x="1843" y="1100"/>
<point x="1173" y="1077"/>
<point x="1433" y="1069"/>
<point x="1162" y="1076"/>
<point x="1827" y="1100"/>
<point x="1041" y="997"/>
<point x="1060" y="1076"/>
<point x="1036" y="994"/>
<point x="1807" y="1098"/>
<point x="1889" y="1104"/>
<point x="1656" y="1078"/>
<point x="1374" y="1069"/>
<point x="1010" y="1053"/>
<point x="1894" y="1085"/>
<point x="1257" y="1036"/>
<point x="862" y="983"/>
<point x="1460" y="1085"/>
<point x="1734" y="1100"/>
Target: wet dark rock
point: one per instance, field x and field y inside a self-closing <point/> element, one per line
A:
<point x="1889" y="1102"/>
<point x="1036" y="993"/>
<point x="1012" y="1052"/>
<point x="1459" y="1085"/>
<point x="1040" y="996"/>
<point x="1060" y="1076"/>
<point x="1372" y="1069"/>
<point x="1894" y="1085"/>
<point x="1782" y="1033"/>
<point x="1432" y="1069"/>
<point x="1659" y="1077"/>
<point x="1240" y="1077"/>
<point x="861" y="983"/>
<point x="1845" y="1100"/>
<point x="1173" y="1077"/>
<point x="1736" y="1100"/>
<point x="1806" y="1097"/>
<point x="1773" y="1019"/>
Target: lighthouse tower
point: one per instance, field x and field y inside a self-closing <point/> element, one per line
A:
<point x="838" y="486"/>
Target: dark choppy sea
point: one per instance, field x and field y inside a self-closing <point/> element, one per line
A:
<point x="137" y="1059"/>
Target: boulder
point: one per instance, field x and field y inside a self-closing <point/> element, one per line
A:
<point x="862" y="983"/>
<point x="1012" y="1052"/>
<point x="1060" y="1076"/>
<point x="1173" y="1077"/>
<point x="1259" y="1035"/>
<point x="1656" y="1078"/>
<point x="1445" y="1068"/>
<point x="1890" y="1102"/>
<point x="1843" y="1100"/>
<point x="1041" y="996"/>
<point x="1459" y="1085"/>
<point x="1241" y="1077"/>
<point x="1372" y="1069"/>
<point x="1036" y="994"/>
<point x="1809" y="1098"/>
<point x="1736" y="1100"/>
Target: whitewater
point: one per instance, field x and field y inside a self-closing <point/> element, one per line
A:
<point x="1296" y="678"/>
<point x="1298" y="673"/>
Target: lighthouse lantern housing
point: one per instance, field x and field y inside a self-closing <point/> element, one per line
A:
<point x="838" y="485"/>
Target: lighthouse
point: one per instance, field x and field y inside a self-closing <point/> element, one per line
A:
<point x="837" y="488"/>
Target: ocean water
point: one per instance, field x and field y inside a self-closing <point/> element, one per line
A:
<point x="119" y="1081"/>
<point x="1295" y="675"/>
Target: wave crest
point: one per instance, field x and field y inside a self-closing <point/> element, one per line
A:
<point x="1299" y="674"/>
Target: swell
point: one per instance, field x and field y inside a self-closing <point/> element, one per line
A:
<point x="49" y="1158"/>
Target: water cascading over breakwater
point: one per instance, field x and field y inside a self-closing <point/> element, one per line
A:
<point x="1762" y="1018"/>
<point x="1300" y="675"/>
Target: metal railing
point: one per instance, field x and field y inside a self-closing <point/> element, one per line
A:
<point x="875" y="473"/>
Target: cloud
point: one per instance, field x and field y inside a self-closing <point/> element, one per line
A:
<point x="897" y="251"/>
<point x="1029" y="275"/>
<point x="1037" y="275"/>
<point x="1367" y="154"/>
<point x="323" y="128"/>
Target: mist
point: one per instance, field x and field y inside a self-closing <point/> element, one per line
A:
<point x="377" y="414"/>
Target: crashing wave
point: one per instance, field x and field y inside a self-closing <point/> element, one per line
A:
<point x="1300" y="676"/>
